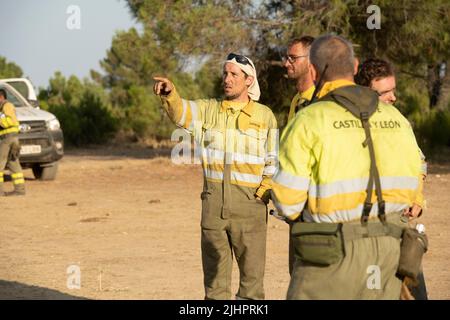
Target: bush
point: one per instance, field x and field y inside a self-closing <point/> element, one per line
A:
<point x="434" y="130"/>
<point x="89" y="123"/>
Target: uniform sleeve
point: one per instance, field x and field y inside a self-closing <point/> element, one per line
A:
<point x="270" y="159"/>
<point x="8" y="118"/>
<point x="296" y="160"/>
<point x="419" y="195"/>
<point x="184" y="113"/>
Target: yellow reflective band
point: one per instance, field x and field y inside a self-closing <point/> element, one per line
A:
<point x="347" y="201"/>
<point x="9" y="130"/>
<point x="17" y="175"/>
<point x="245" y="184"/>
<point x="288" y="196"/>
<point x="255" y="169"/>
<point x="19" y="181"/>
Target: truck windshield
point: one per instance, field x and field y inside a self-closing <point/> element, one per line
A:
<point x="13" y="98"/>
<point x="21" y="87"/>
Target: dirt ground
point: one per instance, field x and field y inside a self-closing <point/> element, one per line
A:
<point x="130" y="220"/>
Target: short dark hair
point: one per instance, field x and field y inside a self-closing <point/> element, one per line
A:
<point x="334" y="51"/>
<point x="373" y="69"/>
<point x="3" y="93"/>
<point x="306" y="41"/>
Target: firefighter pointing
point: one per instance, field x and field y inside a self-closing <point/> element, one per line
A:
<point x="238" y="139"/>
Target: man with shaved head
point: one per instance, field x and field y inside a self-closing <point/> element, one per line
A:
<point x="344" y="182"/>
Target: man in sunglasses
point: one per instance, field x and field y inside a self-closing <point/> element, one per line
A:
<point x="379" y="75"/>
<point x="238" y="140"/>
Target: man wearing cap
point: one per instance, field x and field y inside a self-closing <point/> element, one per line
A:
<point x="237" y="137"/>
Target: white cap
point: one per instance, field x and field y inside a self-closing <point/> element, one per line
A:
<point x="250" y="70"/>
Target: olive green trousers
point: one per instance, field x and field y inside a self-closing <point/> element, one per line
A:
<point x="241" y="232"/>
<point x="368" y="271"/>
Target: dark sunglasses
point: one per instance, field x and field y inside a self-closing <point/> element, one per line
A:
<point x="239" y="58"/>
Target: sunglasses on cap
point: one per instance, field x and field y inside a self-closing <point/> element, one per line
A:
<point x="239" y="58"/>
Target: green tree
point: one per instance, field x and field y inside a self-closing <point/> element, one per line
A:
<point x="177" y="34"/>
<point x="82" y="107"/>
<point x="9" y="69"/>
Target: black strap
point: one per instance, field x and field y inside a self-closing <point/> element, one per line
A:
<point x="373" y="177"/>
<point x="300" y="106"/>
<point x="318" y="86"/>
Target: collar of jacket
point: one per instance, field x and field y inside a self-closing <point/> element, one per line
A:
<point x="305" y="95"/>
<point x="333" y="85"/>
<point x="248" y="109"/>
<point x="245" y="116"/>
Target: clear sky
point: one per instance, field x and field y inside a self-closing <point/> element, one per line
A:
<point x="34" y="34"/>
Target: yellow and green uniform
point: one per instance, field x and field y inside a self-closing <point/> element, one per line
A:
<point x="319" y="164"/>
<point x="299" y="100"/>
<point x="9" y="147"/>
<point x="8" y="119"/>
<point x="323" y="175"/>
<point x="237" y="144"/>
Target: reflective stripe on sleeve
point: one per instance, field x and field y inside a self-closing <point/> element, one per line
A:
<point x="183" y="115"/>
<point x="290" y="181"/>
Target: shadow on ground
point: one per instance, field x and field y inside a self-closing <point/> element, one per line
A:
<point x="11" y="290"/>
<point x="119" y="152"/>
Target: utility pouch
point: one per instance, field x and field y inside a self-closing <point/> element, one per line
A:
<point x="318" y="243"/>
<point x="14" y="151"/>
<point x="413" y="246"/>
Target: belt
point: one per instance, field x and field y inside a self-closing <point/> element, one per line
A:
<point x="373" y="229"/>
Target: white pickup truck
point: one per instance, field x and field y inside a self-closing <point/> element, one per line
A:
<point x="40" y="136"/>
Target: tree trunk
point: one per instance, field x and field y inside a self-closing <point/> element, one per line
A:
<point x="433" y="84"/>
<point x="443" y="100"/>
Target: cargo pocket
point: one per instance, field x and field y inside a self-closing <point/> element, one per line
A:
<point x="212" y="137"/>
<point x="251" y="142"/>
<point x="318" y="243"/>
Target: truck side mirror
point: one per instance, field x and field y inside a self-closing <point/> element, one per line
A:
<point x="34" y="103"/>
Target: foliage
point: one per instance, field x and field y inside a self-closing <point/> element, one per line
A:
<point x="187" y="40"/>
<point x="9" y="69"/>
<point x="82" y="109"/>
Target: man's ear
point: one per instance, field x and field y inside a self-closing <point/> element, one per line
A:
<point x="313" y="72"/>
<point x="249" y="81"/>
<point x="355" y="66"/>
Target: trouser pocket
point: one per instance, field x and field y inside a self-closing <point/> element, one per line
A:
<point x="318" y="243"/>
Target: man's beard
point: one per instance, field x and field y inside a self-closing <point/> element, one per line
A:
<point x="233" y="96"/>
<point x="300" y="75"/>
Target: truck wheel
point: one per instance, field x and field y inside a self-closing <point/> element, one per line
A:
<point x="46" y="172"/>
